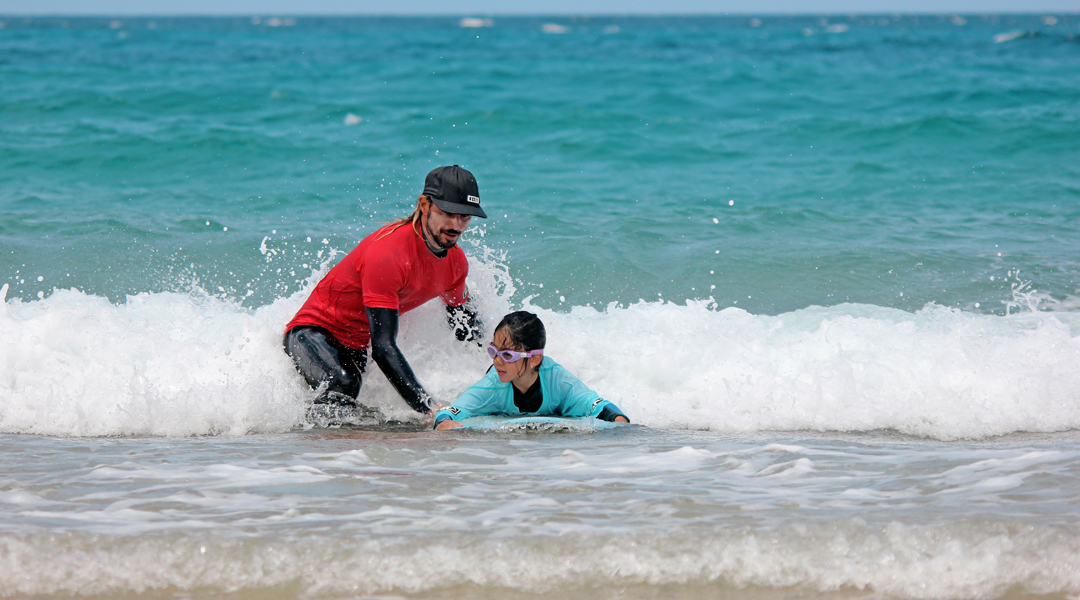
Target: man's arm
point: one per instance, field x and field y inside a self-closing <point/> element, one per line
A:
<point x="466" y="323"/>
<point x="385" y="352"/>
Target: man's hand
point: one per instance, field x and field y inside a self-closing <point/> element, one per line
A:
<point x="466" y="323"/>
<point x="429" y="417"/>
<point x="447" y="424"/>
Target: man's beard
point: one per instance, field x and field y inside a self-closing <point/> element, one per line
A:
<point x="433" y="239"/>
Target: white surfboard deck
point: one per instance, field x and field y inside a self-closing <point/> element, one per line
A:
<point x="492" y="423"/>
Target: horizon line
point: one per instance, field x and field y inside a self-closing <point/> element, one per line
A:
<point x="737" y="13"/>
<point x="1075" y="12"/>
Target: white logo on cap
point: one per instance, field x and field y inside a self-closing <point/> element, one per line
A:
<point x="473" y="199"/>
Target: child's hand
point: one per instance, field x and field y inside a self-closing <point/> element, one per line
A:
<point x="435" y="407"/>
<point x="447" y="424"/>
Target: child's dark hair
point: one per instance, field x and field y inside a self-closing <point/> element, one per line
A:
<point x="524" y="330"/>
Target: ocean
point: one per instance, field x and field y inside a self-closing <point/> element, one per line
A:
<point x="829" y="266"/>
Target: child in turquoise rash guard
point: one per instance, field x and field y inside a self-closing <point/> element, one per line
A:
<point x="522" y="381"/>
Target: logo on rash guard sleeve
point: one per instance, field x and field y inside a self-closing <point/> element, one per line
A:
<point x="597" y="403"/>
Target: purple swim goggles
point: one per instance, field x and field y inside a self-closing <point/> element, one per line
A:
<point x="511" y="355"/>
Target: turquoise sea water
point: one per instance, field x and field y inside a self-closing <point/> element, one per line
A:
<point x="898" y="156"/>
<point x="830" y="266"/>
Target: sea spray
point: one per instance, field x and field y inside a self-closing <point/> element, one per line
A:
<point x="183" y="364"/>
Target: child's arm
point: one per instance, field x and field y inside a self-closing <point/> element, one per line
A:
<point x="447" y="417"/>
<point x="612" y="413"/>
<point x="447" y="423"/>
<point x="578" y="400"/>
<point x="480" y="399"/>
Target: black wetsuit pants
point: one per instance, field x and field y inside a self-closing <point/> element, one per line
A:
<point x="322" y="359"/>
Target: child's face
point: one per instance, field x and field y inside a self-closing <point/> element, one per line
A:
<point x="511" y="371"/>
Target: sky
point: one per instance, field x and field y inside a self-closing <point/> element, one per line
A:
<point x="525" y="7"/>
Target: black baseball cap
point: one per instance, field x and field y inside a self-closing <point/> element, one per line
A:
<point x="454" y="191"/>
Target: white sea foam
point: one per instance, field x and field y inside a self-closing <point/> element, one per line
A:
<point x="189" y="364"/>
<point x="895" y="560"/>
<point x="160" y="364"/>
<point x="700" y="514"/>
<point x="939" y="372"/>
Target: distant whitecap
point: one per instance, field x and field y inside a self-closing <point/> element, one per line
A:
<point x="351" y="119"/>
<point x="1001" y="38"/>
<point x="553" y="28"/>
<point x="469" y="22"/>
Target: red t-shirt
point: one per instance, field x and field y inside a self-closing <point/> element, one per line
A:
<point x="389" y="269"/>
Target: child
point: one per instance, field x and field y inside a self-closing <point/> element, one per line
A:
<point x="522" y="381"/>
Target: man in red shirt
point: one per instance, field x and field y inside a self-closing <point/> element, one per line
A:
<point x="394" y="270"/>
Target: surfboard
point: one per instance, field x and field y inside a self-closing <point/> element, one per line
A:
<point x="545" y="424"/>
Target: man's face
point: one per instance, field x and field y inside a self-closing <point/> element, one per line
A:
<point x="444" y="229"/>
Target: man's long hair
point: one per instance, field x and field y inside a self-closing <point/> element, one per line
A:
<point x="413" y="218"/>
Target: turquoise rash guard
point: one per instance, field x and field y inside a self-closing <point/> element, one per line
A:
<point x="564" y="396"/>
